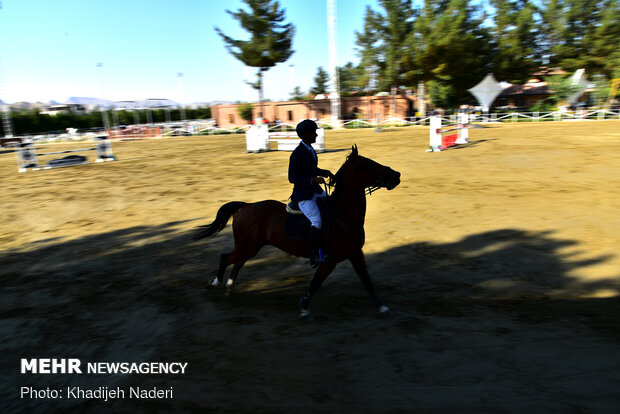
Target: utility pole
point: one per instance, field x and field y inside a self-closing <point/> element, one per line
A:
<point x="180" y="93"/>
<point x="104" y="113"/>
<point x="7" y="124"/>
<point x="334" y="95"/>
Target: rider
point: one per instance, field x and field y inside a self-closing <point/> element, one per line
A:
<point x="304" y="173"/>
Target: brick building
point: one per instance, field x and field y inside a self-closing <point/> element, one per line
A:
<point x="398" y="106"/>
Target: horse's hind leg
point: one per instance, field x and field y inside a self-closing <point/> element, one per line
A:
<point x="222" y="269"/>
<point x="234" y="273"/>
<point x="237" y="257"/>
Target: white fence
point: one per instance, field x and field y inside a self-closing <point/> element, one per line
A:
<point x="200" y="127"/>
<point x="556" y="116"/>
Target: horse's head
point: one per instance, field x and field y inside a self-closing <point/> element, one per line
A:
<point x="370" y="174"/>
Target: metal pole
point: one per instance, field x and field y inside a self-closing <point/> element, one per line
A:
<point x="334" y="94"/>
<point x="104" y="113"/>
<point x="180" y="92"/>
<point x="7" y="124"/>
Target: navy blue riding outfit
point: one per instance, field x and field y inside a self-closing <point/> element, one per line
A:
<point x="303" y="165"/>
<point x="303" y="171"/>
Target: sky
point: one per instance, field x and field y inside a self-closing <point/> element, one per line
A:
<point x="50" y="49"/>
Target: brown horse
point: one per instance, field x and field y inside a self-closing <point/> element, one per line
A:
<point x="258" y="224"/>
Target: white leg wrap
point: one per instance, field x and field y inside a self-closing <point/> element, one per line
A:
<point x="215" y="282"/>
<point x="229" y="282"/>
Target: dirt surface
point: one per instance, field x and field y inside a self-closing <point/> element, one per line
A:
<point x="498" y="259"/>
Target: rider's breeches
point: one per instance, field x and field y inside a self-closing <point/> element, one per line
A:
<point x="311" y="210"/>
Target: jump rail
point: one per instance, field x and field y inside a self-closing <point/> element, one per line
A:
<point x="258" y="139"/>
<point x="27" y="155"/>
<point x="439" y="142"/>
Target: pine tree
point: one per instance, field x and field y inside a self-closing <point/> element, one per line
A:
<point x="383" y="41"/>
<point x="515" y="35"/>
<point x="605" y="47"/>
<point x="581" y="34"/>
<point x="270" y="39"/>
<point x="321" y="82"/>
<point x="552" y="28"/>
<point x="297" y="94"/>
<point x="451" y="48"/>
<point x="348" y="77"/>
<point x="367" y="47"/>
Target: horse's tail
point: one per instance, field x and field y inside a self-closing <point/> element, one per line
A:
<point x="222" y="217"/>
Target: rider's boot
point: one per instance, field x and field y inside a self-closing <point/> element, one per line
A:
<point x="317" y="254"/>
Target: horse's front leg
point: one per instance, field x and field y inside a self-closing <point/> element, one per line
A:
<point x="359" y="264"/>
<point x="321" y="274"/>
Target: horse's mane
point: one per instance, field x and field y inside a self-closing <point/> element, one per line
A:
<point x="340" y="173"/>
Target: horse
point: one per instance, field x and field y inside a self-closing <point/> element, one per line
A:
<point x="258" y="224"/>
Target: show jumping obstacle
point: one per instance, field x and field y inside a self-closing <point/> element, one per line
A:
<point x="27" y="155"/>
<point x="439" y="142"/>
<point x="258" y="138"/>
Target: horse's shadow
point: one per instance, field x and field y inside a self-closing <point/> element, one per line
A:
<point x="140" y="294"/>
<point x="505" y="264"/>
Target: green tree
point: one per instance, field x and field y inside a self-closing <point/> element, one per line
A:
<point x="395" y="28"/>
<point x="348" y="78"/>
<point x="270" y="39"/>
<point x="562" y="89"/>
<point x="581" y="34"/>
<point x="321" y="82"/>
<point x="245" y="111"/>
<point x="383" y="41"/>
<point x="203" y="112"/>
<point x="367" y="47"/>
<point x="516" y="38"/>
<point x="452" y="47"/>
<point x="605" y="47"/>
<point x="602" y="88"/>
<point x="297" y="94"/>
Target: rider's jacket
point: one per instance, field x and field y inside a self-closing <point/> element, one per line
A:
<point x="302" y="166"/>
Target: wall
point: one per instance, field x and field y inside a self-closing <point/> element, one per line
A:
<point x="294" y="111"/>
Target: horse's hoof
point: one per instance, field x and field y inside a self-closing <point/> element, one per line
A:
<point x="306" y="316"/>
<point x="214" y="283"/>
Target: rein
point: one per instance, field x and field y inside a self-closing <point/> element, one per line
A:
<point x="371" y="188"/>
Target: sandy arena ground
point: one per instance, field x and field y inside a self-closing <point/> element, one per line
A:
<point x="498" y="259"/>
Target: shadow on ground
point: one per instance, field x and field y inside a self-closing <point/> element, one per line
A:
<point x="492" y="323"/>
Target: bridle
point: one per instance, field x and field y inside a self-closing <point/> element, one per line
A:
<point x="368" y="190"/>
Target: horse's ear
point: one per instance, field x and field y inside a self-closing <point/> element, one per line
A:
<point x="354" y="152"/>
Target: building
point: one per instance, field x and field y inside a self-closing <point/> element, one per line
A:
<point x="523" y="96"/>
<point x="536" y="90"/>
<point x="366" y="107"/>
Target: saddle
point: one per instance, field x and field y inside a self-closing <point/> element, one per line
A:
<point x="296" y="224"/>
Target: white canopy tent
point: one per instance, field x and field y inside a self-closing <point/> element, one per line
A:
<point x="580" y="83"/>
<point x="486" y="91"/>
